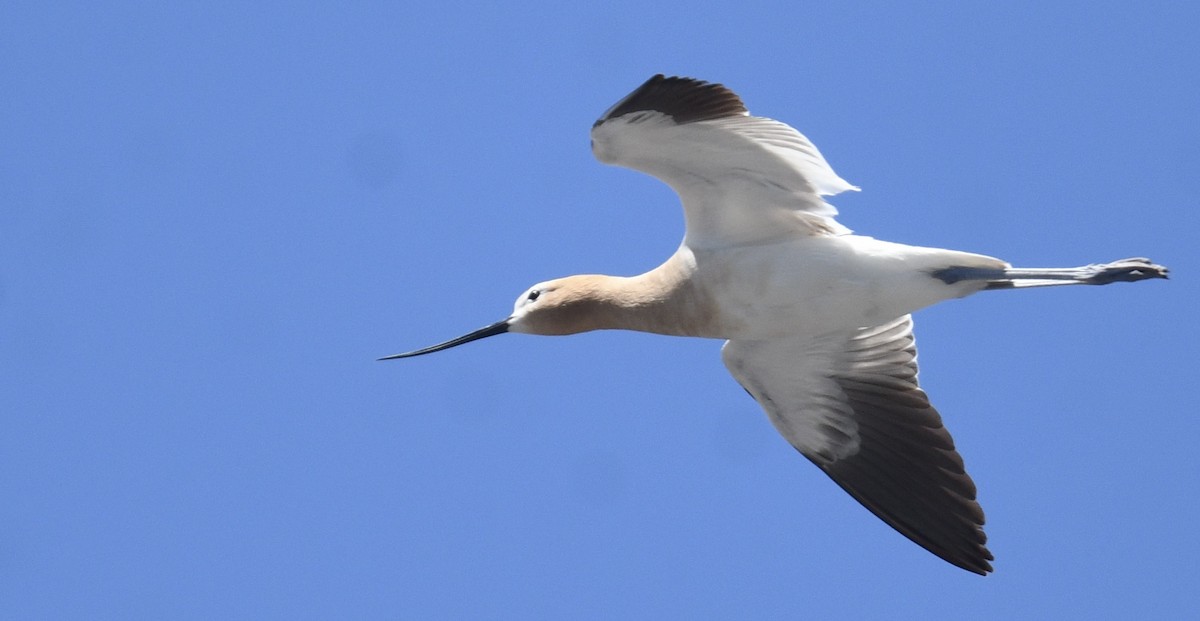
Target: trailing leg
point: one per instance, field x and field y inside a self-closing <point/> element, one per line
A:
<point x="1125" y="270"/>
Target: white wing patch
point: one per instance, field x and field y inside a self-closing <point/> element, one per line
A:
<point x="742" y="179"/>
<point x="793" y="380"/>
<point x="798" y="154"/>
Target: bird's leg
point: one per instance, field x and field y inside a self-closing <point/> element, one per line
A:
<point x="1125" y="270"/>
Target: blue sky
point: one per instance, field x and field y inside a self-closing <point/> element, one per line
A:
<point x="214" y="217"/>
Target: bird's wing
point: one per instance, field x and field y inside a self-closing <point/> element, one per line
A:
<point x="850" y="403"/>
<point x="742" y="179"/>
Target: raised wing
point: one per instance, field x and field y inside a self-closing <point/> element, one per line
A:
<point x="850" y="403"/>
<point x="742" y="179"/>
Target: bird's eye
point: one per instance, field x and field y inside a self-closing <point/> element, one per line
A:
<point x="533" y="295"/>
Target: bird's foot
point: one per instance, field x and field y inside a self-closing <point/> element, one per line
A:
<point x="1125" y="270"/>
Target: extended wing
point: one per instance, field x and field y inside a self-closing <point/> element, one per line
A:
<point x="742" y="179"/>
<point x="850" y="403"/>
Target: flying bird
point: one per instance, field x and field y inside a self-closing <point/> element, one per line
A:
<point x="816" y="320"/>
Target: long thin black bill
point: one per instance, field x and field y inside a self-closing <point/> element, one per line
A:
<point x="500" y="327"/>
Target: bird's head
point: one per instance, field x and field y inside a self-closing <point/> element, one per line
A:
<point x="556" y="307"/>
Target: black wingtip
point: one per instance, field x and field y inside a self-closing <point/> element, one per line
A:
<point x="954" y="539"/>
<point x="686" y="100"/>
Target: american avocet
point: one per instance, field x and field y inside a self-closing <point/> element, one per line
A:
<point x="816" y="319"/>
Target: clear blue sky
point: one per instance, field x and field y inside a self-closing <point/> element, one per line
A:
<point x="214" y="218"/>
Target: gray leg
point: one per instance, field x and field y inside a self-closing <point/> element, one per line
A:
<point x="1125" y="270"/>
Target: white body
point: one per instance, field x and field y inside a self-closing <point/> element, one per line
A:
<point x="819" y="284"/>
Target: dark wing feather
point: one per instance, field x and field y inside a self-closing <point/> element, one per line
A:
<point x="851" y="405"/>
<point x="686" y="100"/>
